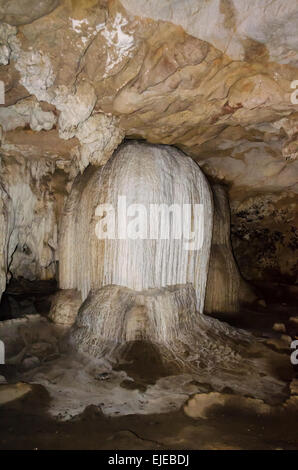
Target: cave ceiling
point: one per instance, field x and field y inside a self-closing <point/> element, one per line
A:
<point x="212" y="78"/>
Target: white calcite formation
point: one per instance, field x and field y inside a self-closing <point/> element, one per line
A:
<point x="151" y="290"/>
<point x="216" y="78"/>
<point x="226" y="289"/>
<point x="99" y="136"/>
<point x="113" y="318"/>
<point x="65" y="306"/>
<point x="28" y="239"/>
<point x="145" y="175"/>
<point x="26" y="112"/>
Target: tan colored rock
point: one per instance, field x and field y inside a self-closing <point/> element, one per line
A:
<point x="65" y="306"/>
<point x="252" y="24"/>
<point x="294" y="387"/>
<point x="169" y="74"/>
<point x="226" y="289"/>
<point x="202" y="405"/>
<point x="151" y="74"/>
<point x="279" y="327"/>
<point x="16" y="13"/>
<point x="278" y="343"/>
<point x="292" y="404"/>
<point x="286" y="339"/>
<point x="11" y="392"/>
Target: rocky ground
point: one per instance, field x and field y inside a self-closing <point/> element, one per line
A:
<point x="94" y="407"/>
<point x="215" y="79"/>
<point x="25" y="424"/>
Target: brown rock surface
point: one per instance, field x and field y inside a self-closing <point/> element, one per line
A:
<point x="212" y="78"/>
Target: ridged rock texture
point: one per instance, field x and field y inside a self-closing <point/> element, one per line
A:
<point x="140" y="289"/>
<point x="65" y="306"/>
<point x="112" y="319"/>
<point x="158" y="255"/>
<point x="226" y="290"/>
<point x="215" y="79"/>
<point x="29" y="222"/>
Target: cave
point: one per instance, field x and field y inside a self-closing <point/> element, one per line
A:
<point x="148" y="212"/>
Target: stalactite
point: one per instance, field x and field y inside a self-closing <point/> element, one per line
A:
<point x="5" y="224"/>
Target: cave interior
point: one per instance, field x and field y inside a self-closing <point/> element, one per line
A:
<point x="149" y="224"/>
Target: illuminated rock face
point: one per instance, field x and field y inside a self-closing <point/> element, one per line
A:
<point x="80" y="76"/>
<point x="145" y="175"/>
<point x="226" y="289"/>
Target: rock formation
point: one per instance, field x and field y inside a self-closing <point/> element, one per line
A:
<point x="159" y="185"/>
<point x="80" y="76"/>
<point x="226" y="289"/>
<point x="114" y="318"/>
<point x="172" y="102"/>
<point x="153" y="290"/>
<point x="65" y="306"/>
<point x="225" y="100"/>
<point x="29" y="219"/>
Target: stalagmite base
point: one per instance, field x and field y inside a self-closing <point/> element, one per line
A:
<point x="113" y="318"/>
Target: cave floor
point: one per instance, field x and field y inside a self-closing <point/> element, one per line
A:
<point x="34" y="420"/>
<point x="25" y="424"/>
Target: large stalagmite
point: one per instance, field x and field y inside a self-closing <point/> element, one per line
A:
<point x="145" y="175"/>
